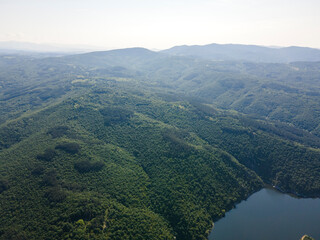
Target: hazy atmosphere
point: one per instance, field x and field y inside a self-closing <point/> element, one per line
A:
<point x="161" y="24"/>
<point x="153" y="120"/>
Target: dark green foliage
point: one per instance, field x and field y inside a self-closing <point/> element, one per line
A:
<point x="72" y="186"/>
<point x="47" y="93"/>
<point x="69" y="147"/>
<point x="177" y="145"/>
<point x="9" y="136"/>
<point x="88" y="166"/>
<point x="58" y="131"/>
<point x="55" y="194"/>
<point x="202" y="110"/>
<point x="87" y="209"/>
<point x="113" y="115"/>
<point x="47" y="156"/>
<point x="38" y="170"/>
<point x="136" y="223"/>
<point x="4" y="185"/>
<point x="50" y="179"/>
<point x="13" y="233"/>
<point x="234" y="130"/>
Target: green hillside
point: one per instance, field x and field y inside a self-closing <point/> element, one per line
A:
<point x="92" y="147"/>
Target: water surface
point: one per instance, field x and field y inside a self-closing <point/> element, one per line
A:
<point x="270" y="215"/>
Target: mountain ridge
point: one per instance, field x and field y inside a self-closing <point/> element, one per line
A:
<point x="213" y="51"/>
<point x="242" y="52"/>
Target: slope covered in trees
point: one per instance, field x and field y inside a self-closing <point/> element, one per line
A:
<point x="128" y="145"/>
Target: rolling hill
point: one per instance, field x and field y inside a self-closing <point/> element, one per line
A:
<point x="135" y="144"/>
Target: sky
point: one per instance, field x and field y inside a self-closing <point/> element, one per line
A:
<point x="161" y="24"/>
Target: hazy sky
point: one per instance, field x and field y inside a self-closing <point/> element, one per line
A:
<point x="162" y="23"/>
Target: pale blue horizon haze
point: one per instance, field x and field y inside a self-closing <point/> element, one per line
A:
<point x="162" y="24"/>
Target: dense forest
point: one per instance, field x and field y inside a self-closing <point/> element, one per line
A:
<point x="135" y="144"/>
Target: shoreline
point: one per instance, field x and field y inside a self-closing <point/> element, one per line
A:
<point x="292" y="194"/>
<point x="208" y="232"/>
<point x="265" y="186"/>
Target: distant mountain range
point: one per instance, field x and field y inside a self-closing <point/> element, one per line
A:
<point x="215" y="52"/>
<point x="252" y="53"/>
<point x="12" y="47"/>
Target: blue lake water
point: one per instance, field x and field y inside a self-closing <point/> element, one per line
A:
<point x="270" y="215"/>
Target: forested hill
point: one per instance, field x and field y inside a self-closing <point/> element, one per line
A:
<point x="134" y="144"/>
<point x="252" y="53"/>
<point x="285" y="92"/>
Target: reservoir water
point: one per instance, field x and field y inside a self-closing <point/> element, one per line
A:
<point x="269" y="214"/>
